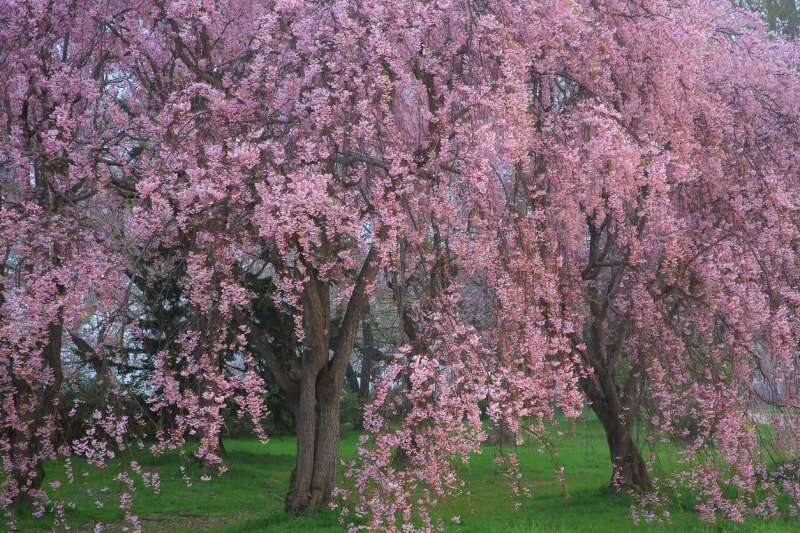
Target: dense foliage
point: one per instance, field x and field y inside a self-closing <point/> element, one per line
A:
<point x="567" y="201"/>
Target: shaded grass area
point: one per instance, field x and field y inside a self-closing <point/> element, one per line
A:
<point x="249" y="497"/>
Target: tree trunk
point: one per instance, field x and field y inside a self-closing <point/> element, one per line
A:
<point x="370" y="356"/>
<point x="616" y="406"/>
<point x="305" y="422"/>
<point x="28" y="471"/>
<point x="500" y="433"/>
<point x="313" y="382"/>
<point x="326" y="447"/>
<point x="317" y="422"/>
<point x="629" y="469"/>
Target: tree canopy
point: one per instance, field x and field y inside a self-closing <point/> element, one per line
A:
<point x="568" y="201"/>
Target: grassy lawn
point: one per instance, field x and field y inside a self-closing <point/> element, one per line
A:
<point x="249" y="497"/>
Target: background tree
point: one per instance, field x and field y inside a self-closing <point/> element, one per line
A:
<point x="649" y="217"/>
<point x="780" y="15"/>
<point x="61" y="161"/>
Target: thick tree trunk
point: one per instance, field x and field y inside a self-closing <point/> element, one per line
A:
<point x="28" y="471"/>
<point x="305" y="421"/>
<point x="317" y="422"/>
<point x="313" y="382"/>
<point x="326" y="447"/>
<point x="616" y="406"/>
<point x="629" y="468"/>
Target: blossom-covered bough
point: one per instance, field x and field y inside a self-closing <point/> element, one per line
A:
<point x="62" y="159"/>
<point x="569" y="200"/>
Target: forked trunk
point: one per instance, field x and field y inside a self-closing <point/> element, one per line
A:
<point x="313" y="383"/>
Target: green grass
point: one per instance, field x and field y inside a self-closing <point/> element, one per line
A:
<point x="249" y="497"/>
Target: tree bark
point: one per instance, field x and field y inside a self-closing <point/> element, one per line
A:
<point x="28" y="471"/>
<point x="313" y="382"/>
<point x="299" y="496"/>
<point x="370" y="356"/>
<point x="317" y="453"/>
<point x="326" y="446"/>
<point x="629" y="471"/>
<point x="616" y="407"/>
